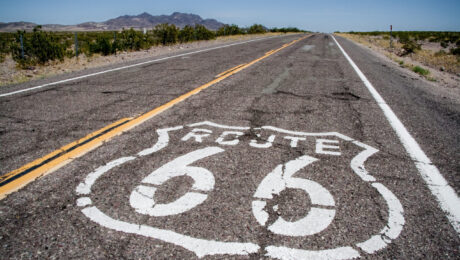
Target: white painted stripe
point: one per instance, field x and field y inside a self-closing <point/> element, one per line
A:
<point x="163" y="140"/>
<point x="219" y="125"/>
<point x="446" y="196"/>
<point x="286" y="253"/>
<point x="201" y="247"/>
<point x="85" y="188"/>
<point x="130" y="66"/>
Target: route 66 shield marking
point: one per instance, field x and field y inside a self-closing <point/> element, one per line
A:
<point x="210" y="140"/>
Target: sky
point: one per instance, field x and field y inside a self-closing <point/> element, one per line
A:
<point x="313" y="15"/>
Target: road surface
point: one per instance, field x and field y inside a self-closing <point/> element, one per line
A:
<point x="292" y="147"/>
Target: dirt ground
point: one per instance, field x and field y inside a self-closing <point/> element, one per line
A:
<point x="10" y="74"/>
<point x="444" y="69"/>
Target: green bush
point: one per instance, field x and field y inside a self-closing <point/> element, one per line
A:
<point x="256" y="28"/>
<point x="187" y="34"/>
<point x="286" y="29"/>
<point x="39" y="48"/>
<point x="102" y="45"/>
<point x="440" y="53"/>
<point x="130" y="40"/>
<point x="420" y="70"/>
<point x="6" y="42"/>
<point x="166" y="33"/>
<point x="229" y="30"/>
<point x="410" y="47"/>
<point x="455" y="51"/>
<point x="202" y="33"/>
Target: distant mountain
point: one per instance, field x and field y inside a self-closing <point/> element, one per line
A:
<point x="14" y="26"/>
<point x="144" y="20"/>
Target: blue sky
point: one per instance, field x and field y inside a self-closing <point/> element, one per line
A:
<point x="314" y="15"/>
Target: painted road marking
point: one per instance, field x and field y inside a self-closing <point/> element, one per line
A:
<point x="52" y="161"/>
<point x="129" y="66"/>
<point x="281" y="178"/>
<point x="446" y="196"/>
<point x="142" y="198"/>
<point x="308" y="47"/>
<point x="18" y="178"/>
<point x="320" y="215"/>
<point x="230" y="70"/>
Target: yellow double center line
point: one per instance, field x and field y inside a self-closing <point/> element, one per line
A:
<point x="20" y="177"/>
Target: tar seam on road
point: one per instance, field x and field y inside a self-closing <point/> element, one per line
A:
<point x="20" y="177"/>
<point x="59" y="158"/>
<point x="230" y="70"/>
<point x="128" y="66"/>
<point x="446" y="196"/>
<point x="7" y="178"/>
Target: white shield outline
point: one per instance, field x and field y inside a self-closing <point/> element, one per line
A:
<point x="203" y="247"/>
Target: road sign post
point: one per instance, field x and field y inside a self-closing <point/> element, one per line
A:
<point x="76" y="45"/>
<point x="391" y="37"/>
<point x="22" y="46"/>
<point x="115" y="42"/>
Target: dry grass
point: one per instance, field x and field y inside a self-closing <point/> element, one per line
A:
<point x="426" y="56"/>
<point x="431" y="59"/>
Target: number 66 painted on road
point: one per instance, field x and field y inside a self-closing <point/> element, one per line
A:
<point x="320" y="215"/>
<point x="142" y="198"/>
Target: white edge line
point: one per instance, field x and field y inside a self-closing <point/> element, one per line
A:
<point x="130" y="66"/>
<point x="446" y="196"/>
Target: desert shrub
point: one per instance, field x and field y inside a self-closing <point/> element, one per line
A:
<point x="286" y="29"/>
<point x="440" y="53"/>
<point x="229" y="30"/>
<point x="444" y="44"/>
<point x="202" y="33"/>
<point x="256" y="28"/>
<point x="166" y="33"/>
<point x="6" y="40"/>
<point x="130" y="40"/>
<point x="39" y="48"/>
<point x="420" y="70"/>
<point x="187" y="34"/>
<point x="102" y="45"/>
<point x="455" y="51"/>
<point x="403" y="38"/>
<point x="410" y="47"/>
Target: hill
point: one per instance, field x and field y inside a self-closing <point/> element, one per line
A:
<point x="144" y="20"/>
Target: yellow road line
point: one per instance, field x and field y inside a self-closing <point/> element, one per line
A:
<point x="53" y="164"/>
<point x="227" y="71"/>
<point x="126" y="124"/>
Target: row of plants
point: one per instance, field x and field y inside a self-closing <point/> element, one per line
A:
<point x="411" y="39"/>
<point x="39" y="46"/>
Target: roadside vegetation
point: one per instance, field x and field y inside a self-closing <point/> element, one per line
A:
<point x="424" y="52"/>
<point x="40" y="47"/>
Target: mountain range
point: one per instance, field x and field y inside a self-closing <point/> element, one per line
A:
<point x="144" y="20"/>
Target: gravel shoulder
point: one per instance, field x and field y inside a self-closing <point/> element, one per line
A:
<point x="449" y="78"/>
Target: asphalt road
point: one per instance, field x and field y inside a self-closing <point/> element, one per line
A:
<point x="289" y="156"/>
